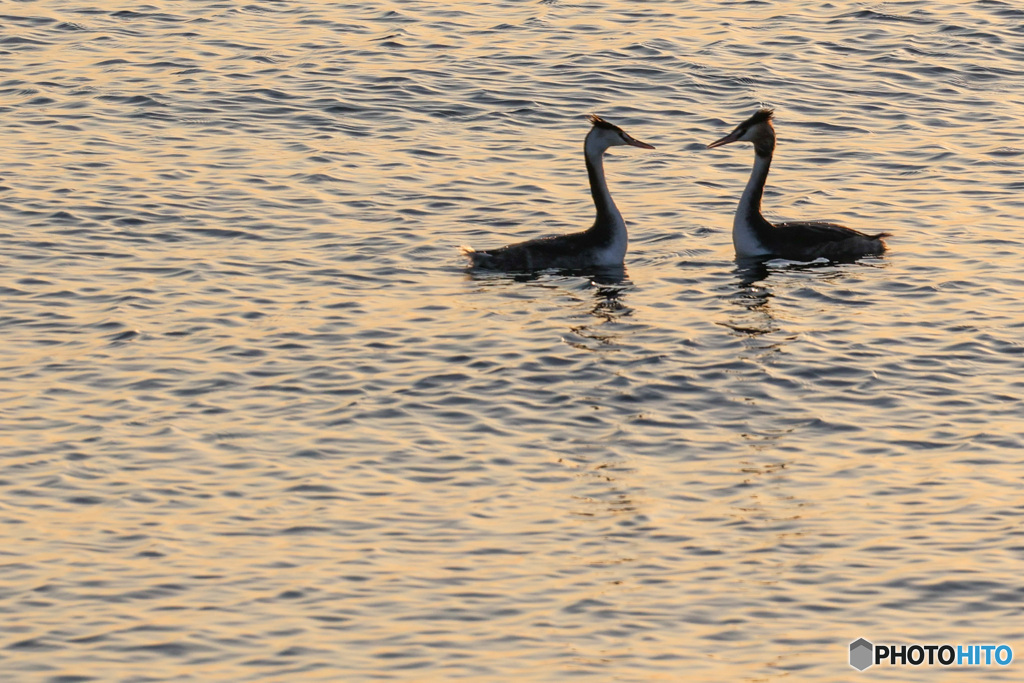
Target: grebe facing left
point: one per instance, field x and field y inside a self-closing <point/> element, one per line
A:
<point x="752" y="235"/>
<point x="604" y="244"/>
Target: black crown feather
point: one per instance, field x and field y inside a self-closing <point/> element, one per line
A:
<point x="598" y="122"/>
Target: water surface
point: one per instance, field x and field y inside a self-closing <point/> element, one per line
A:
<point x="260" y="424"/>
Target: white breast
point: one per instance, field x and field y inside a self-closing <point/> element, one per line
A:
<point x="614" y="252"/>
<point x="744" y="239"/>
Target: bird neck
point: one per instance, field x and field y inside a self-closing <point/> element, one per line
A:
<point x="749" y="210"/>
<point x="608" y="217"/>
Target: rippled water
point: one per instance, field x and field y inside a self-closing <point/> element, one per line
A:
<point x="259" y="423"/>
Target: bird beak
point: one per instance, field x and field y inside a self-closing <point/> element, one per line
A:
<point x="731" y="137"/>
<point x="636" y="143"/>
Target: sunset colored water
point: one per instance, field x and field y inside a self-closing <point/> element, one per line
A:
<point x="259" y="423"/>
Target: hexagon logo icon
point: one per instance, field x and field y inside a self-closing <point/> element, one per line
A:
<point x="862" y="654"/>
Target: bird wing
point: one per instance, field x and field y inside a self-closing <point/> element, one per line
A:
<point x="542" y="252"/>
<point x="808" y="240"/>
<point x="820" y="231"/>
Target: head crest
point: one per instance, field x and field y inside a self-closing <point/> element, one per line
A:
<point x="598" y="122"/>
<point x="761" y="115"/>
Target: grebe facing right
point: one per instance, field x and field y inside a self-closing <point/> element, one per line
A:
<point x="752" y="235"/>
<point x="604" y="244"/>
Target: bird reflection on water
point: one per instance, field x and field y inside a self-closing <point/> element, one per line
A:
<point x="608" y="307"/>
<point x="753" y="292"/>
<point x="753" y="298"/>
<point x="607" y="285"/>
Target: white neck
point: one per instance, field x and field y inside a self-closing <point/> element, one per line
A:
<point x="608" y="217"/>
<point x="748" y="219"/>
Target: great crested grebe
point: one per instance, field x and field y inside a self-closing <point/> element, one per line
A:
<point x="604" y="244"/>
<point x="752" y="235"/>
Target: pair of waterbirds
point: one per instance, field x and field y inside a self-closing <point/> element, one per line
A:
<point x="604" y="244"/>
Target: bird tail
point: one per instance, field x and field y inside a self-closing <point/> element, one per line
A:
<point x="475" y="257"/>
